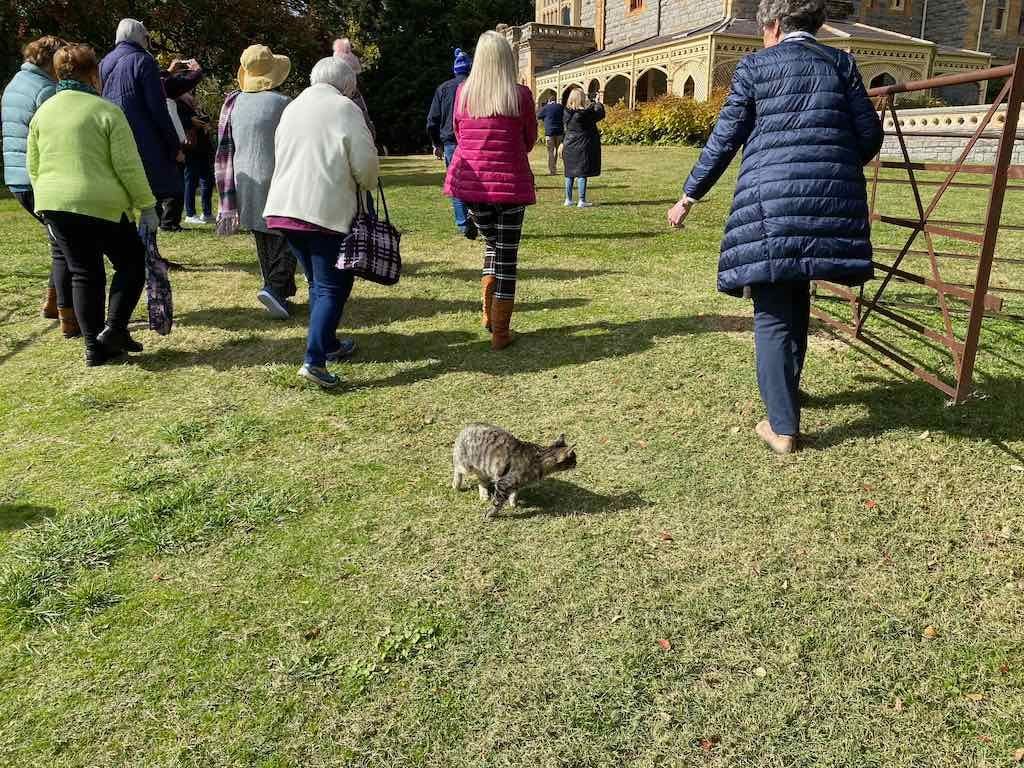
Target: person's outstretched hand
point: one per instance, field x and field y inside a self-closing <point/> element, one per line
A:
<point x="677" y="214"/>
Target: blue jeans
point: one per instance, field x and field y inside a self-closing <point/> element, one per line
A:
<point x="457" y="205"/>
<point x="329" y="289"/>
<point x="782" y="315"/>
<point x="581" y="185"/>
<point x="198" y="175"/>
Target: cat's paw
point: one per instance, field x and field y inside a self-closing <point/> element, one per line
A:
<point x="485" y="493"/>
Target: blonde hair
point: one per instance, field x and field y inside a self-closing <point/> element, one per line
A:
<point x="577" y="99"/>
<point x="491" y="89"/>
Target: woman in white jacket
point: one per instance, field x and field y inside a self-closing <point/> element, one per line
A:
<point x="324" y="155"/>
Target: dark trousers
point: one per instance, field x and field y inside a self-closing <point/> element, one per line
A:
<point x="329" y="289"/>
<point x="781" y="320"/>
<point x="198" y="177"/>
<point x="501" y="227"/>
<point x="169" y="207"/>
<point x="169" y="210"/>
<point x="60" y="278"/>
<point x="84" y="240"/>
<point x="277" y="263"/>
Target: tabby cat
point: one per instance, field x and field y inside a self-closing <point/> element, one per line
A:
<point x="503" y="464"/>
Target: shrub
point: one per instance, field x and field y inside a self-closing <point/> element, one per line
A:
<point x="669" y="120"/>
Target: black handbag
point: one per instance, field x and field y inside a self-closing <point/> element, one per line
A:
<point x="372" y="249"/>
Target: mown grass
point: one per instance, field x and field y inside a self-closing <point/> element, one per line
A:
<point x="205" y="563"/>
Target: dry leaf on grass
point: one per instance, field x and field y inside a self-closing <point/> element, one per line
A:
<point x="312" y="633"/>
<point x="870" y="503"/>
<point x="898" y="705"/>
<point x="1018" y="755"/>
<point x="708" y="743"/>
<point x="930" y="633"/>
<point x="974" y="696"/>
<point x="761" y="672"/>
<point x="665" y="645"/>
<point x="665" y="536"/>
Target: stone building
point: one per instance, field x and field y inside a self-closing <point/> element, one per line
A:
<point x="637" y="50"/>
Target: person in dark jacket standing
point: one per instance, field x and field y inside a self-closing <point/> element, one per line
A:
<point x="582" y="150"/>
<point x="553" y="115"/>
<point x="801" y="114"/>
<point x="34" y="83"/>
<point x="442" y="133"/>
<point x="131" y="79"/>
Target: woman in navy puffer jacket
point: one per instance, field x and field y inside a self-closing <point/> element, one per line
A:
<point x="801" y="114"/>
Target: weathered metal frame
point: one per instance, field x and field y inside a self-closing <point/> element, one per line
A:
<point x="980" y="296"/>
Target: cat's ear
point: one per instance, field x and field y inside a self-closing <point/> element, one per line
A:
<point x="560" y="442"/>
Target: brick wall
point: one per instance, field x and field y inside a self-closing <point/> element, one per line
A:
<point x="879" y="13"/>
<point x="623" y="27"/>
<point x="948" y="150"/>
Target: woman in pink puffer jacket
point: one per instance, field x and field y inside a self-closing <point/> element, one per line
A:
<point x="495" y="129"/>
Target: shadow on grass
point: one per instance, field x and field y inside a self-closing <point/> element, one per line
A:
<point x="558" y="498"/>
<point x="14" y="516"/>
<point x="627" y="203"/>
<point x="431" y="269"/>
<point x="915" y="405"/>
<point x="361" y="312"/>
<point x="598" y="235"/>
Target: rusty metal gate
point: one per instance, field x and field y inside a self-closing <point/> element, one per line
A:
<point x="867" y="302"/>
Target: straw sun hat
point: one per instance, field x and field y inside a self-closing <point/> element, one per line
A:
<point x="261" y="69"/>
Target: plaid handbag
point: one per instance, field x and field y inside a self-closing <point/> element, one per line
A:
<point x="371" y="250"/>
<point x="158" y="288"/>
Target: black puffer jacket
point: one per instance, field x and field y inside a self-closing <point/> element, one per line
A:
<point x="800" y="112"/>
<point x="581" y="147"/>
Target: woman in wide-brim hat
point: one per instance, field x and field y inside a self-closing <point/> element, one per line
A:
<point x="245" y="166"/>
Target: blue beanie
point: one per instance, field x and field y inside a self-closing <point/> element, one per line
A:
<point x="463" y="63"/>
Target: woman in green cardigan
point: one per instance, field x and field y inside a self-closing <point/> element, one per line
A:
<point x="88" y="181"/>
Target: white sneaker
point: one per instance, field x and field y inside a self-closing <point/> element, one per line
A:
<point x="568" y="203"/>
<point x="194" y="220"/>
<point x="584" y="204"/>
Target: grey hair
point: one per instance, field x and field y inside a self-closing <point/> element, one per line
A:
<point x="792" y="15"/>
<point x="336" y="72"/>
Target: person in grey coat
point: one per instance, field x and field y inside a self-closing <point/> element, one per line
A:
<point x="254" y="115"/>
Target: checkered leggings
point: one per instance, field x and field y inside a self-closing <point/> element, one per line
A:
<point x="501" y="227"/>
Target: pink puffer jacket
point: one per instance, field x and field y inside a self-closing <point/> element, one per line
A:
<point x="492" y="163"/>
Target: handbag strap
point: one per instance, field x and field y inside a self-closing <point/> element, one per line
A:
<point x="383" y="200"/>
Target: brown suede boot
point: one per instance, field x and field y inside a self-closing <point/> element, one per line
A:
<point x="50" y="304"/>
<point x="501" y="317"/>
<point x="68" y="323"/>
<point x="487" y="284"/>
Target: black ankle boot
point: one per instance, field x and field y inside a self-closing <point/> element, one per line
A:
<point x="97" y="354"/>
<point x="118" y="339"/>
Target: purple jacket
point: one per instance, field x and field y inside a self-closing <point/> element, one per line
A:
<point x="131" y="79"/>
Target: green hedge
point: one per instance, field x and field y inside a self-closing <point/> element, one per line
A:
<point x="669" y="120"/>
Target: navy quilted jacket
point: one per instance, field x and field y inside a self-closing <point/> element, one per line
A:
<point x="131" y="79"/>
<point x="807" y="127"/>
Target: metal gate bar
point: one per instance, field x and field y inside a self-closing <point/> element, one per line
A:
<point x="980" y="297"/>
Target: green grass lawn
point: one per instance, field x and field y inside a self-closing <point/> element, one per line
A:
<point x="204" y="562"/>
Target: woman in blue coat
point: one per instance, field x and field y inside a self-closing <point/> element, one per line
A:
<point x="33" y="84"/>
<point x="131" y="79"/>
<point x="801" y="114"/>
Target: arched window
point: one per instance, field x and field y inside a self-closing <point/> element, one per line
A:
<point x="566" y="16"/>
<point x="689" y="88"/>
<point x="882" y="80"/>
